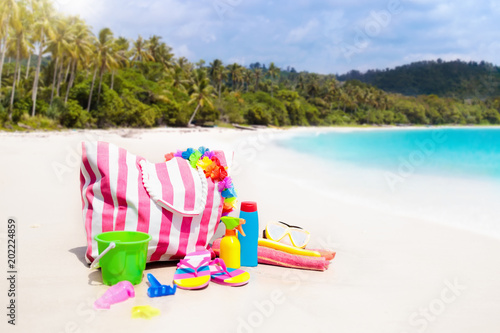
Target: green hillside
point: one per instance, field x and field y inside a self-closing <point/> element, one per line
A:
<point x="457" y="78"/>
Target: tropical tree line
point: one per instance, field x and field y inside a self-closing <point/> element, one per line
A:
<point x="55" y="72"/>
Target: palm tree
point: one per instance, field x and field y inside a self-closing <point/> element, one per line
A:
<point x="81" y="50"/>
<point x="312" y="87"/>
<point x="58" y="45"/>
<point x="213" y="68"/>
<point x="186" y="66"/>
<point x="344" y="99"/>
<point x="177" y="76"/>
<point x="239" y="76"/>
<point x="201" y="92"/>
<point x="140" y="50"/>
<point x="200" y="64"/>
<point x="120" y="49"/>
<point x="107" y="59"/>
<point x="233" y="72"/>
<point x="42" y="27"/>
<point x="367" y="97"/>
<point x="20" y="45"/>
<point x="153" y="45"/>
<point x="31" y="15"/>
<point x="9" y="16"/>
<point x="331" y="91"/>
<point x="72" y="23"/>
<point x="353" y="93"/>
<point x="164" y="55"/>
<point x="247" y="77"/>
<point x="382" y="100"/>
<point x="257" y="73"/>
<point x="216" y="71"/>
<point x="158" y="51"/>
<point x="273" y="72"/>
<point x="93" y="63"/>
<point x="122" y="44"/>
<point x="301" y="84"/>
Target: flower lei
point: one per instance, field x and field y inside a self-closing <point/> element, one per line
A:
<point x="210" y="164"/>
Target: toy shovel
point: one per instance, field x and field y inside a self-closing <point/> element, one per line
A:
<point x="156" y="289"/>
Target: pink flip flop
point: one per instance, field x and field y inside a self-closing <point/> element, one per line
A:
<point x="193" y="271"/>
<point x="220" y="274"/>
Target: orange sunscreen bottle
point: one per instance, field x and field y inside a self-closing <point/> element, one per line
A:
<point x="230" y="248"/>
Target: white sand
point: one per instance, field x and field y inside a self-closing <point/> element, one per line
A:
<point x="392" y="273"/>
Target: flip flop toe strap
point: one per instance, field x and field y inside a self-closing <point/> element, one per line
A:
<point x="185" y="263"/>
<point x="219" y="262"/>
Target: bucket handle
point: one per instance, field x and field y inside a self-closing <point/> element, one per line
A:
<point x="111" y="245"/>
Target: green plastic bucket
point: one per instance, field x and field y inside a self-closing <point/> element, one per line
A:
<point x="122" y="256"/>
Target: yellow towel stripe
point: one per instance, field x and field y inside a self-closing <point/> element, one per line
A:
<point x="287" y="248"/>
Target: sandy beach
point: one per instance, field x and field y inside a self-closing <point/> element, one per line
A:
<point x="393" y="272"/>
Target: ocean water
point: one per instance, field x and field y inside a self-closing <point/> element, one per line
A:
<point x="448" y="151"/>
<point x="445" y="175"/>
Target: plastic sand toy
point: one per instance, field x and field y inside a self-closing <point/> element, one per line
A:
<point x="157" y="289"/>
<point x="122" y="256"/>
<point x="118" y="293"/>
<point x="145" y="312"/>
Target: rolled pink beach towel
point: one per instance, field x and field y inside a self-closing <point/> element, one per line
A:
<point x="279" y="258"/>
<point x="328" y="255"/>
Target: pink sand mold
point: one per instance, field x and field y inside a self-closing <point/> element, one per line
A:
<point x="120" y="292"/>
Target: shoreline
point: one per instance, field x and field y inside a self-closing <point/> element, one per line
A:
<point x="453" y="200"/>
<point x="208" y="129"/>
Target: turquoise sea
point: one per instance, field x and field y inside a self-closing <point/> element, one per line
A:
<point x="462" y="152"/>
<point x="445" y="175"/>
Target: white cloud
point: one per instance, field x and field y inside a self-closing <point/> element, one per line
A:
<point x="305" y="34"/>
<point x="302" y="32"/>
<point x="84" y="8"/>
<point x="238" y="60"/>
<point x="183" y="51"/>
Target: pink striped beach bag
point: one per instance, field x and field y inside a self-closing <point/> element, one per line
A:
<point x="172" y="201"/>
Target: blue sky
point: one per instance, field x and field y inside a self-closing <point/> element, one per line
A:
<point x="317" y="35"/>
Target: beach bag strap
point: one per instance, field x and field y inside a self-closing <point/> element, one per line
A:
<point x="154" y="189"/>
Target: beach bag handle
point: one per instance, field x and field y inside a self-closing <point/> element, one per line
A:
<point x="154" y="190"/>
